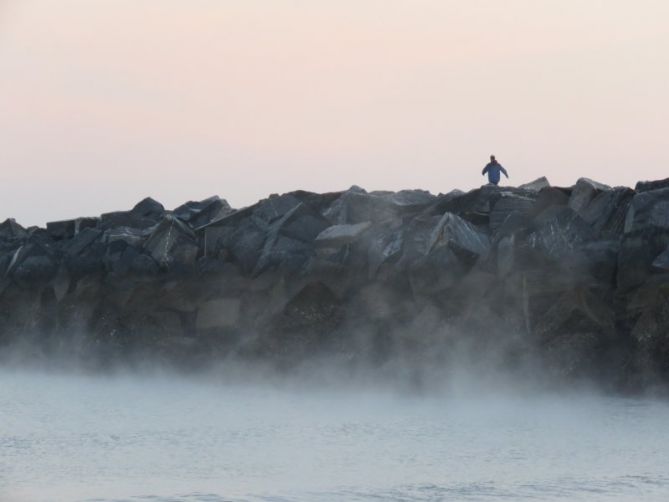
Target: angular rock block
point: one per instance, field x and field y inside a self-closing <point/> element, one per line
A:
<point x="59" y="230"/>
<point x="172" y="244"/>
<point x="583" y="192"/>
<point x="9" y="230"/>
<point x="204" y="212"/>
<point x="340" y="235"/>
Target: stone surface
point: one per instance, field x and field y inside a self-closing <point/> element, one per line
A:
<point x="536" y="185"/>
<point x="172" y="243"/>
<point x="575" y="279"/>
<point x="219" y="313"/>
<point x="339" y="235"/>
<point x="583" y="192"/>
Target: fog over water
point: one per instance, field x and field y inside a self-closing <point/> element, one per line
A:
<point x="170" y="438"/>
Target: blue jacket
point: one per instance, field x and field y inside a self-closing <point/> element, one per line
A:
<point x="493" y="169"/>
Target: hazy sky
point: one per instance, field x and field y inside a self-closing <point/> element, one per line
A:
<point x="103" y="102"/>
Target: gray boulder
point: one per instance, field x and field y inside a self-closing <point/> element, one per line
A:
<point x="31" y="264"/>
<point x="558" y="234"/>
<point x="288" y="243"/>
<point x="81" y="241"/>
<point x="647" y="186"/>
<point x="59" y="230"/>
<point x="536" y="185"/>
<point x="648" y="210"/>
<point x="459" y="235"/>
<point x="583" y="192"/>
<point x="339" y="235"/>
<point x="145" y="214"/>
<point x="639" y="251"/>
<point x="172" y="244"/>
<point x="10" y="230"/>
<point x="275" y="207"/>
<point x="607" y="211"/>
<point x="204" y="212"/>
<point x="131" y="236"/>
<point x="507" y="204"/>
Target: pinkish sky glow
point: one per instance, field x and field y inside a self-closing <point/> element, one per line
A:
<point x="104" y="102"/>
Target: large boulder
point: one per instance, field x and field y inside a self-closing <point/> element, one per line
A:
<point x="172" y="244"/>
<point x="648" y="209"/>
<point x="558" y="233"/>
<point x="339" y="235"/>
<point x="459" y="235"/>
<point x="289" y="240"/>
<point x="647" y="186"/>
<point x="275" y="207"/>
<point x="639" y="257"/>
<point x="536" y="185"/>
<point x="507" y="204"/>
<point x="583" y="192"/>
<point x="145" y="214"/>
<point x="131" y="236"/>
<point x="451" y="250"/>
<point x="357" y="206"/>
<point x="32" y="264"/>
<point x="59" y="230"/>
<point x="201" y="213"/>
<point x="606" y="212"/>
<point x="10" y="230"/>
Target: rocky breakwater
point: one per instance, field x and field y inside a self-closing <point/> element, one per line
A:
<point x="573" y="282"/>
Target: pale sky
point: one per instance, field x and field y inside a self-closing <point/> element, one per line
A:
<point x="103" y="102"/>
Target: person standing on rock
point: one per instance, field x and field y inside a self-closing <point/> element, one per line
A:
<point x="493" y="168"/>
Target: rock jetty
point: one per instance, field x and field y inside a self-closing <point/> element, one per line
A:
<point x="574" y="279"/>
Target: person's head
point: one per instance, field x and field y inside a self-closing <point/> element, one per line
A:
<point x="493" y="159"/>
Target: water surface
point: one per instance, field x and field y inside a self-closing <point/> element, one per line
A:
<point x="82" y="438"/>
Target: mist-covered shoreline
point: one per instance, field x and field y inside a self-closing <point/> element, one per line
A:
<point x="562" y="285"/>
<point x="168" y="438"/>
